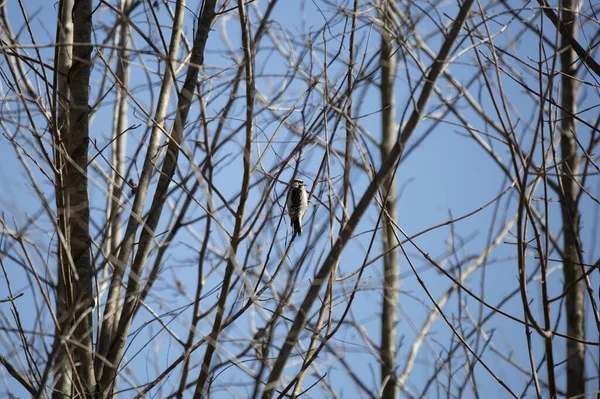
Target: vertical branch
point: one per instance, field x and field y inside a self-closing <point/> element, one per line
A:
<point x="574" y="304"/>
<point x="78" y="210"/>
<point x="328" y="302"/>
<point x="168" y="169"/>
<point x="387" y="165"/>
<point x="239" y="216"/>
<point x="119" y="142"/>
<point x="109" y="324"/>
<point x="349" y="125"/>
<point x="389" y="315"/>
<point x="544" y="253"/>
<point x="63" y="57"/>
<point x="119" y="147"/>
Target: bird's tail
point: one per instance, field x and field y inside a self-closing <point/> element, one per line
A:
<point x="297" y="226"/>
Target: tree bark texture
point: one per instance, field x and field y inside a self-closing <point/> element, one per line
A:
<point x="570" y="209"/>
<point x="63" y="373"/>
<point x="389" y="315"/>
<point x="78" y="211"/>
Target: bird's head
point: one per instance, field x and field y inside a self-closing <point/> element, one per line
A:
<point x="297" y="183"/>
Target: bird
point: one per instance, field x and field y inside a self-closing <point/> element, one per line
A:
<point x="297" y="203"/>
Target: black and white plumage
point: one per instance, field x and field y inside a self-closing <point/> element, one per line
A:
<point x="297" y="203"/>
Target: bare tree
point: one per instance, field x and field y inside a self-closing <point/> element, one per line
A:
<point x="571" y="218"/>
<point x="147" y="150"/>
<point x="391" y="269"/>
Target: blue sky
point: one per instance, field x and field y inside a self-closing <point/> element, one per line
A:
<point x="448" y="175"/>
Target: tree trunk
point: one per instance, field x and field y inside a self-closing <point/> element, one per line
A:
<point x="570" y="211"/>
<point x="78" y="211"/>
<point x="389" y="315"/>
<point x="63" y="56"/>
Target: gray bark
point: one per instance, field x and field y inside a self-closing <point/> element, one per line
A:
<point x="62" y="367"/>
<point x="570" y="209"/>
<point x="119" y="147"/>
<point x="110" y="323"/>
<point x="391" y="283"/>
<point x="78" y="210"/>
<point x="117" y="346"/>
